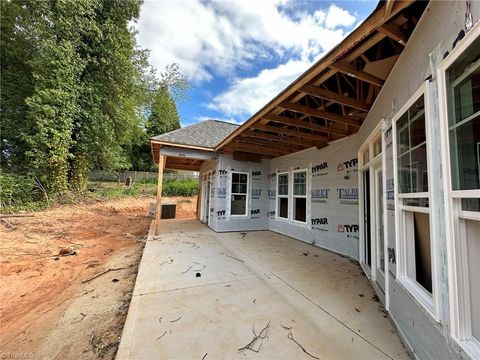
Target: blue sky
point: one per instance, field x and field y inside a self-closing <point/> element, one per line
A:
<point x="238" y="55"/>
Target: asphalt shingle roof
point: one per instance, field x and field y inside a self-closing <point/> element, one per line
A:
<point x="207" y="133"/>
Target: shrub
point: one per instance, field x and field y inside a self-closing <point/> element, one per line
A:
<point x="19" y="192"/>
<point x="188" y="187"/>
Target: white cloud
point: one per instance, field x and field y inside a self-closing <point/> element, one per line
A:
<point x="338" y="17"/>
<point x="217" y="38"/>
<point x="248" y="95"/>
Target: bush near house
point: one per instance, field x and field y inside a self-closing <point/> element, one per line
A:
<point x="187" y="187"/>
<point x="19" y="193"/>
<point x="23" y="193"/>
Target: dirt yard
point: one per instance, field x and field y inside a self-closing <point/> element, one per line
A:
<point x="57" y="306"/>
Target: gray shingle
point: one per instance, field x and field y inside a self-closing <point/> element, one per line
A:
<point x="207" y="133"/>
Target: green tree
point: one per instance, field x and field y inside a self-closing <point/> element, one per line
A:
<point x="17" y="43"/>
<point x="73" y="87"/>
<point x="164" y="115"/>
<point x="115" y="88"/>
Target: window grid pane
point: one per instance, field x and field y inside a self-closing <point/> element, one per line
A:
<point x="239" y="183"/>
<point x="283" y="184"/>
<point x="300" y="183"/>
<point x="464" y="121"/>
<point x="412" y="149"/>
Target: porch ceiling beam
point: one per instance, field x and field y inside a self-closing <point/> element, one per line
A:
<point x="182" y="167"/>
<point x="253" y="148"/>
<point x="307" y="110"/>
<point x="394" y="33"/>
<point x="389" y="7"/>
<point x="304" y="124"/>
<point x="270" y="145"/>
<point x="335" y="97"/>
<point x="281" y="139"/>
<point x="298" y="134"/>
<point x="350" y="70"/>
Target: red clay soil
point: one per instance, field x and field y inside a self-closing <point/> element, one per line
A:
<point x="50" y="307"/>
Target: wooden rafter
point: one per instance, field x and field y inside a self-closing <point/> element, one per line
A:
<point x="335" y="97"/>
<point x="282" y="139"/>
<point x="307" y="110"/>
<point x="294" y="133"/>
<point x="350" y="70"/>
<point x="394" y="33"/>
<point x="246" y="147"/>
<point x="270" y="144"/>
<point x="306" y="125"/>
<point x="389" y="6"/>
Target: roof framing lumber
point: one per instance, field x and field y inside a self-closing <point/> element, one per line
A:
<point x="350" y="70"/>
<point x="305" y="124"/>
<point x="298" y="134"/>
<point x="272" y="145"/>
<point x="307" y="110"/>
<point x="253" y="148"/>
<point x="389" y="6"/>
<point x="283" y="139"/>
<point x="394" y="33"/>
<point x="335" y="97"/>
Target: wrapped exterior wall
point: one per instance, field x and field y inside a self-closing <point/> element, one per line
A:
<point x="332" y="196"/>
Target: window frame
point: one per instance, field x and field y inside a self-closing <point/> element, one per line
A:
<point x="429" y="302"/>
<point x="300" y="196"/>
<point x="247" y="195"/>
<point x="287" y="196"/>
<point x="459" y="296"/>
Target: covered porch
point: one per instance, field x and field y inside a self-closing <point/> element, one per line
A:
<point x="204" y="295"/>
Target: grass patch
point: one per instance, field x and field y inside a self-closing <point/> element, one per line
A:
<point x="187" y="187"/>
<point x="110" y="190"/>
<point x="21" y="194"/>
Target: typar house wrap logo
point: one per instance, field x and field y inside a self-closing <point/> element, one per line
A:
<point x="350" y="230"/>
<point x="223" y="172"/>
<point x="271" y="214"/>
<point x="319" y="224"/>
<point x="347" y="165"/>
<point x="320" y="169"/>
<point x="272" y="176"/>
<point x="256" y="175"/>
<point x="320" y="195"/>
<point x="255" y="213"/>
<point x="221" y="214"/>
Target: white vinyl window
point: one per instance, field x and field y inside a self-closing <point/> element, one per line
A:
<point x="459" y="89"/>
<point x="415" y="265"/>
<point x="282" y="195"/>
<point x="239" y="194"/>
<point x="300" y="196"/>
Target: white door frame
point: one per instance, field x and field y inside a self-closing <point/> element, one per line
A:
<point x="372" y="165"/>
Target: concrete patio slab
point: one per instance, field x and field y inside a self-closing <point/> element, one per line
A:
<point x="248" y="280"/>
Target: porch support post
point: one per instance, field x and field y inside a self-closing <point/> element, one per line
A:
<point x="158" y="207"/>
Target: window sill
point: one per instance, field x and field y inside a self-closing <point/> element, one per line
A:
<point x="300" y="223"/>
<point x="470" y="346"/>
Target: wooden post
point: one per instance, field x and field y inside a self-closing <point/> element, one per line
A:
<point x="158" y="205"/>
